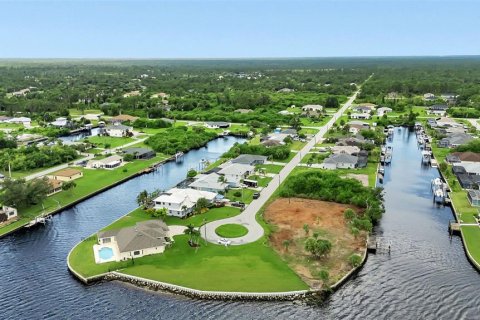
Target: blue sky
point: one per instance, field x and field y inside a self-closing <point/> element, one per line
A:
<point x="222" y="29"/>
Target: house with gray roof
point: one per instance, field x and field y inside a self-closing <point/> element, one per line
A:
<point x="118" y="130"/>
<point x="211" y="182"/>
<point x="340" y="161"/>
<point x="140" y="153"/>
<point x="250" y="159"/>
<point x="145" y="238"/>
<point x="454" y="140"/>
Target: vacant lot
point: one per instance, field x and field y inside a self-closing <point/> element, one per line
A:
<point x="290" y="215"/>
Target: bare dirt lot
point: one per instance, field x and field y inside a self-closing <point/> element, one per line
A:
<point x="289" y="215"/>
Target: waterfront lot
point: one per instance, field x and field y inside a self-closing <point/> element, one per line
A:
<point x="109" y="142"/>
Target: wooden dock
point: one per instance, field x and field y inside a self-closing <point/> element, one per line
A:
<point x="454" y="227"/>
<point x="378" y="245"/>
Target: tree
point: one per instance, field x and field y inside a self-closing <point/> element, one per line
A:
<point x="160" y="213"/>
<point x="324" y="276"/>
<point x="349" y="214"/>
<point x="69" y="185"/>
<point x="128" y="157"/>
<point x="355" y="232"/>
<point x="201" y="205"/>
<point x="193" y="234"/>
<point x="191" y="173"/>
<point x="20" y="193"/>
<point x="355" y="260"/>
<point x="332" y="102"/>
<point x="286" y="243"/>
<point x="142" y="199"/>
<point x="306" y="228"/>
<point x="318" y="247"/>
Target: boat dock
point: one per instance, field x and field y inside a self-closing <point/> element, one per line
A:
<point x="378" y="245"/>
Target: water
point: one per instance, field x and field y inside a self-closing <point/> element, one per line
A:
<point x="80" y="135"/>
<point x="105" y="253"/>
<point x="427" y="275"/>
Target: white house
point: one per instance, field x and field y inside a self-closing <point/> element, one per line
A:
<point x="383" y="110"/>
<point x="181" y="202"/>
<point x="448" y="122"/>
<point x="145" y="238"/>
<point x="60" y="122"/>
<point x="118" y="130"/>
<point x="364" y="116"/>
<point x="234" y="173"/>
<point x="107" y="163"/>
<point x="345" y="149"/>
<point x="340" y="161"/>
<point x="21" y="120"/>
<point x="7" y="213"/>
<point x="217" y="124"/>
<point x="357" y="126"/>
<point x="312" y="107"/>
<point x="212" y="182"/>
<point x="429" y="96"/>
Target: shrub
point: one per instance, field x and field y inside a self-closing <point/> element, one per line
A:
<point x="354" y="260"/>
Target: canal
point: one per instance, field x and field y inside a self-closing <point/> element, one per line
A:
<point x="426" y="275"/>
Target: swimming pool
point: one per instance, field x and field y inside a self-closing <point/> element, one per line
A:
<point x="105" y="253"/>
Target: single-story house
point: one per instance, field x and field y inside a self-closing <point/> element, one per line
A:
<point x="234" y="173"/>
<point x="472" y="168"/>
<point x="449" y="97"/>
<point x="285" y="113"/>
<point x="290" y="131"/>
<point x="134" y="93"/>
<point x="357" y="126"/>
<point x="280" y="137"/>
<point x="60" y="122"/>
<point x="474" y="197"/>
<point x="123" y="118"/>
<point x="181" y="202"/>
<point x="454" y="140"/>
<point x="431" y="122"/>
<point x="27" y="138"/>
<point x="383" y="110"/>
<point x="211" y="182"/>
<point x="364" y="116"/>
<point x="118" y="130"/>
<point x="345" y="149"/>
<point x="217" y="124"/>
<point x="447" y="122"/>
<point x="67" y="174"/>
<point x="463" y="157"/>
<point x="429" y="97"/>
<point x="340" y="161"/>
<point x="363" y="109"/>
<point x="21" y="120"/>
<point x="465" y="181"/>
<point x="272" y="143"/>
<point x="7" y="213"/>
<point x="107" y="163"/>
<point x="140" y="153"/>
<point x="250" y="159"/>
<point x="145" y="238"/>
<point x="55" y="186"/>
<point x="458" y="169"/>
<point x="312" y="107"/>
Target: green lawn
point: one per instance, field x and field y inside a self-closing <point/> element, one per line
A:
<point x="308" y="131"/>
<point x="463" y="207"/>
<point x="77" y="112"/>
<point x="471" y="234"/>
<point x="231" y="230"/>
<point x="271" y="168"/>
<point x="309" y="122"/>
<point x="288" y="159"/>
<point x="199" y="219"/>
<point x="114" y="142"/>
<point x="247" y="196"/>
<point x="297" y="145"/>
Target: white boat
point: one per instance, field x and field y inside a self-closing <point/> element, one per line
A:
<point x="381" y="170"/>
<point x="439" y="196"/>
<point x="37" y="220"/>
<point x="434" y="163"/>
<point x="426" y="156"/>
<point x="179" y="156"/>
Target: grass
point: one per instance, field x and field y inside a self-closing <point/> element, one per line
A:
<point x="464" y="210"/>
<point x="199" y="219"/>
<point x="271" y="168"/>
<point x="288" y="159"/>
<point x="247" y="196"/>
<point x="309" y="122"/>
<point x="297" y="145"/>
<point x="101" y="141"/>
<point x="77" y="112"/>
<point x="471" y="235"/>
<point x="231" y="230"/>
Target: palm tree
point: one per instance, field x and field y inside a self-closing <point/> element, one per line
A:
<point x="286" y="244"/>
<point x="190" y="230"/>
<point x="142" y="199"/>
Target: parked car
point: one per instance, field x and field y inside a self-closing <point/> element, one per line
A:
<point x="256" y="195"/>
<point x="224" y="242"/>
<point x="237" y="204"/>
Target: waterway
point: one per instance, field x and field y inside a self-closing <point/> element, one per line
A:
<point x="426" y="276"/>
<point x="80" y="135"/>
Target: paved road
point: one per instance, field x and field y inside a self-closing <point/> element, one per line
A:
<point x="474" y="123"/>
<point x="56" y="168"/>
<point x="248" y="216"/>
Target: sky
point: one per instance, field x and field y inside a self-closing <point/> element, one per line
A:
<point x="237" y="29"/>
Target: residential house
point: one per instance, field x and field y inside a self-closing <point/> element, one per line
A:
<point x="463" y="157"/>
<point x="4" y="119"/>
<point x="272" y="143"/>
<point x="474" y="197"/>
<point x="458" y="169"/>
<point x="60" y="122"/>
<point x="438" y="109"/>
<point x="250" y="159"/>
<point x="243" y="111"/>
<point x="140" y="153"/>
<point x="26" y="122"/>
<point x="383" y="110"/>
<point x="134" y="93"/>
<point x="450" y="98"/>
<point x="7" y="213"/>
<point x="363" y="116"/>
<point x="290" y="131"/>
<point x="211" y="182"/>
<point x="217" y="124"/>
<point x="454" y="140"/>
<point x="356" y="126"/>
<point x="393" y="96"/>
<point x="340" y="161"/>
<point x="145" y="238"/>
<point x="55" y="186"/>
<point x="123" y="118"/>
<point x="118" y="130"/>
<point x="286" y="90"/>
<point x="285" y="113"/>
<point x="68" y="174"/>
<point x="312" y="108"/>
<point x="472" y="168"/>
<point x="345" y="149"/>
<point x="234" y="173"/>
<point x="108" y="163"/>
<point x="429" y="97"/>
<point x="181" y="202"/>
<point x="364" y="108"/>
<point x="29" y="138"/>
<point x="432" y="122"/>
